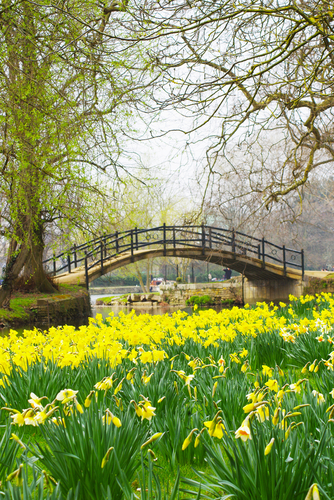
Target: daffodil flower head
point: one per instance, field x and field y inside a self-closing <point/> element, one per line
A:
<point x="269" y="446"/>
<point x="66" y="395"/>
<point x="35" y="401"/>
<point x="244" y="432"/>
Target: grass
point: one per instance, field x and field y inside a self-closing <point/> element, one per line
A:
<point x="22" y="303"/>
<point x="19" y="309"/>
<point x="112" y="299"/>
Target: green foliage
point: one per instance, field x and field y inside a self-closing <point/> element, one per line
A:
<point x="242" y="470"/>
<point x="8" y="451"/>
<point x="75" y="452"/>
<point x="200" y="300"/>
<point x="228" y="302"/>
<point x="19" y="309"/>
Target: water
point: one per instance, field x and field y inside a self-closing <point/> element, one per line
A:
<point x="105" y="311"/>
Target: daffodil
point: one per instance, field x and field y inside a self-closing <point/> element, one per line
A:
<point x="35" y="401"/>
<point x="272" y="384"/>
<point x="215" y="428"/>
<point x="66" y="395"/>
<point x="110" y="418"/>
<point x="243" y="432"/>
<point x="153" y="438"/>
<point x="275" y="418"/>
<point x="88" y="399"/>
<point x="18" y="440"/>
<point x="146" y="378"/>
<point x="16" y="475"/>
<point x="105" y="459"/>
<point x="313" y="493"/>
<point x="269" y="446"/>
<point x="312" y="366"/>
<point x="266" y="370"/>
<point x="18" y="419"/>
<point x="105" y="384"/>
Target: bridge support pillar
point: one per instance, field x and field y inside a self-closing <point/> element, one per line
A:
<point x="271" y="290"/>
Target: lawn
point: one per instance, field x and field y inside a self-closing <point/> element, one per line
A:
<point x="236" y="404"/>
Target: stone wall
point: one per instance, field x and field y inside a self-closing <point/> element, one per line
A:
<point x="271" y="290"/>
<point x="218" y="291"/>
<point x="62" y="309"/>
<point x="248" y="292"/>
<point x="112" y="290"/>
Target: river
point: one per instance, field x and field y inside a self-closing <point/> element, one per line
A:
<point x="105" y="311"/>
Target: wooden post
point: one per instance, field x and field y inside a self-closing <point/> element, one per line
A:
<point x="284" y="261"/>
<point x="203" y="239"/>
<point x="86" y="270"/>
<point x="116" y="241"/>
<point x="101" y="255"/>
<point x="164" y="235"/>
<point x="174" y="242"/>
<point x="69" y="263"/>
<point x="210" y="238"/>
<point x="105" y="246"/>
<point x="263" y="253"/>
<point x="233" y="241"/>
<point x="259" y="251"/>
<point x="54" y="264"/>
<point x="303" y="264"/>
<point x="136" y="235"/>
<point x="131" y="233"/>
<point x="75" y="256"/>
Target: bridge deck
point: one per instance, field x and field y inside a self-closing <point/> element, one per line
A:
<point x="253" y="268"/>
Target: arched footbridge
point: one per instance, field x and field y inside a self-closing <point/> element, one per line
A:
<point x="257" y="259"/>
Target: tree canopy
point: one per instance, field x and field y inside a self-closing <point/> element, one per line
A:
<point x="61" y="82"/>
<point x="238" y="71"/>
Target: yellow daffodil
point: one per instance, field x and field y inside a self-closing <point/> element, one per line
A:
<point x="153" y="438"/>
<point x="88" y="399"/>
<point x="269" y="446"/>
<point x="35" y="401"/>
<point x="272" y="385"/>
<point x="313" y="493"/>
<point x="105" y="459"/>
<point x="188" y="439"/>
<point x="66" y="395"/>
<point x="243" y="432"/>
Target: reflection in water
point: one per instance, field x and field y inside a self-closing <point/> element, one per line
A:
<point x="106" y="310"/>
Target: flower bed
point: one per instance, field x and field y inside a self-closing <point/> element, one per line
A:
<point x="244" y="395"/>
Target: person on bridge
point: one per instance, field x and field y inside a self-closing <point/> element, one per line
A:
<point x="228" y="273"/>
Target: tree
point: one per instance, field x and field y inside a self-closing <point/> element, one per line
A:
<point x="237" y="71"/>
<point x="60" y="82"/>
<point x="146" y="202"/>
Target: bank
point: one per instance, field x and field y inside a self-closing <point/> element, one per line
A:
<point x="71" y="304"/>
<point x="236" y="291"/>
<point x="213" y="293"/>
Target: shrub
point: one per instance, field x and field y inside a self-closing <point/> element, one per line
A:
<point x="203" y="300"/>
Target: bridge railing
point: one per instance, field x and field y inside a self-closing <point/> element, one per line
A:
<point x="97" y="251"/>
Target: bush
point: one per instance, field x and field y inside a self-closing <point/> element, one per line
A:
<point x="203" y="300"/>
<point x="228" y="302"/>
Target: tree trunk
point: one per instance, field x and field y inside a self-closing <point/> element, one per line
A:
<point x="14" y="267"/>
<point x="140" y="278"/>
<point x="148" y="275"/>
<point x="34" y="264"/>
